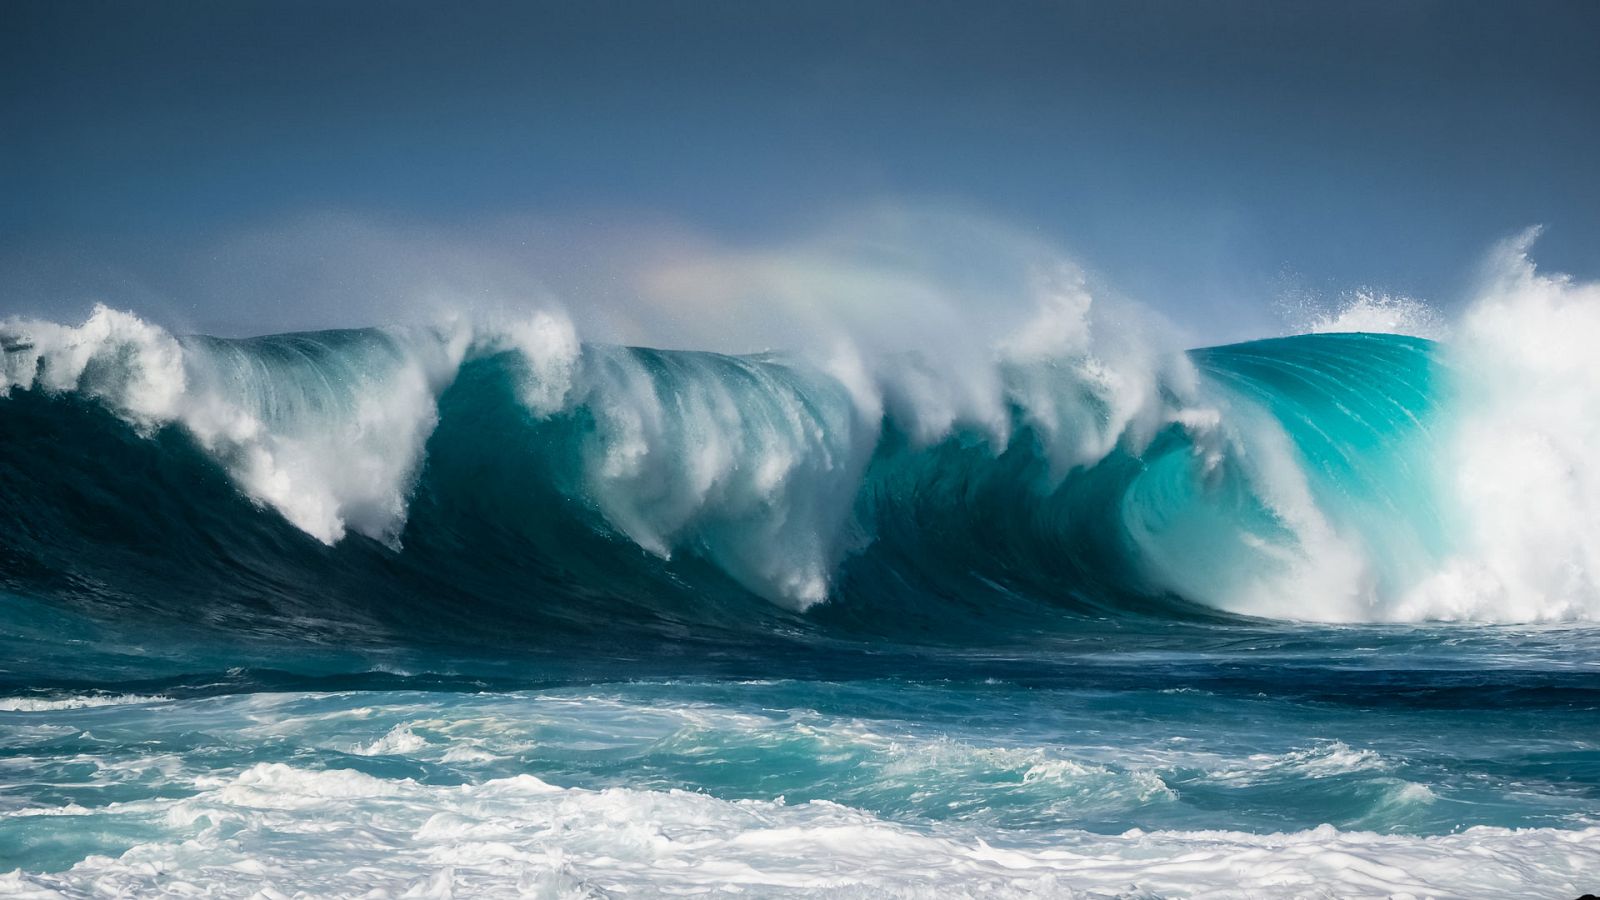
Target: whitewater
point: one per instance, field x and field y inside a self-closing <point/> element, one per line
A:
<point x="483" y="608"/>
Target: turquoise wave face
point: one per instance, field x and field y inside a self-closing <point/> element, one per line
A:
<point x="1330" y="492"/>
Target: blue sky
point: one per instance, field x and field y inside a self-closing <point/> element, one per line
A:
<point x="1203" y="158"/>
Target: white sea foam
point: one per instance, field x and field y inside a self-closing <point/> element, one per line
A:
<point x="549" y="346"/>
<point x="754" y="464"/>
<point x="399" y="741"/>
<point x="1322" y="761"/>
<point x="1521" y="479"/>
<point x="81" y="701"/>
<point x="1377" y="313"/>
<point x="282" y="830"/>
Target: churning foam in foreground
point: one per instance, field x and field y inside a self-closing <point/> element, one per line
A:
<point x="758" y="463"/>
<point x="277" y="830"/>
<point x="930" y="787"/>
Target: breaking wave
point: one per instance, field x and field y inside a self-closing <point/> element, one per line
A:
<point x="491" y="478"/>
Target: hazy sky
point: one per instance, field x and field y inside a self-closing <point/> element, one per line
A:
<point x="246" y="166"/>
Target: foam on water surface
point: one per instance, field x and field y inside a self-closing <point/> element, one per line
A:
<point x="275" y="830"/>
<point x="782" y="788"/>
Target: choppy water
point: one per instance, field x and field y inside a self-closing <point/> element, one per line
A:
<point x="1277" y="761"/>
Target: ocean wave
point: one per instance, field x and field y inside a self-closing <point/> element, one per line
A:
<point x="506" y="474"/>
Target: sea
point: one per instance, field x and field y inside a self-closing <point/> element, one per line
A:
<point x="459" y="611"/>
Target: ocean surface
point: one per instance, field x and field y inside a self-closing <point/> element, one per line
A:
<point x="459" y="612"/>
